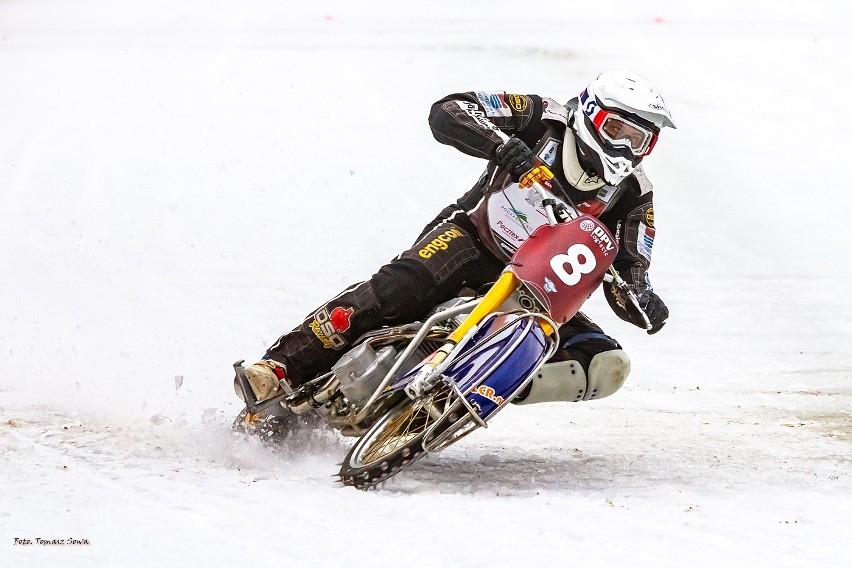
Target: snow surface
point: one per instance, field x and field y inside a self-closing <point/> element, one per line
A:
<point x="180" y="182"/>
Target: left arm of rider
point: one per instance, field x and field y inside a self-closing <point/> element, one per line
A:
<point x="632" y="223"/>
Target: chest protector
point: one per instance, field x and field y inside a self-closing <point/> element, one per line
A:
<point x="507" y="215"/>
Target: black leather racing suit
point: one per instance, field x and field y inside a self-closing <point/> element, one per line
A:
<point x="470" y="241"/>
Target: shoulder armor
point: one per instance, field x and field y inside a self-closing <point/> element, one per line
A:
<point x="645" y="185"/>
<point x="551" y="110"/>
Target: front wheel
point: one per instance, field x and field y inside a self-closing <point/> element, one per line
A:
<point x="398" y="438"/>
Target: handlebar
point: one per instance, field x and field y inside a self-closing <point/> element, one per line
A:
<point x="535" y="179"/>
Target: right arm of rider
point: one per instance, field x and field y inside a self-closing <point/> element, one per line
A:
<point x="466" y="121"/>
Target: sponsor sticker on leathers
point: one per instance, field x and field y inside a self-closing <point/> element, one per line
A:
<point x="605" y="193"/>
<point x="439" y="243"/>
<point x="518" y="102"/>
<point x="548" y="152"/>
<point x="494" y="103"/>
<point x="328" y="326"/>
<point x="645" y="240"/>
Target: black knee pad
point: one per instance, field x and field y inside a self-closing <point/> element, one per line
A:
<point x="582" y="347"/>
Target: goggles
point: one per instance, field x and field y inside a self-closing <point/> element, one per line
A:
<point x="620" y="131"/>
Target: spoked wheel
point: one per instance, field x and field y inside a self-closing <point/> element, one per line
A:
<point x="396" y="440"/>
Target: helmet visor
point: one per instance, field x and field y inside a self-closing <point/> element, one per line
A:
<point x="620" y="131"/>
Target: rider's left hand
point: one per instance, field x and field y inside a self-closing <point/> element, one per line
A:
<point x="656" y="311"/>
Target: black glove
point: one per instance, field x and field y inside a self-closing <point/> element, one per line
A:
<point x="656" y="311"/>
<point x="515" y="156"/>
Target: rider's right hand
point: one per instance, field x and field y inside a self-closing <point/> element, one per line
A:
<point x="515" y="156"/>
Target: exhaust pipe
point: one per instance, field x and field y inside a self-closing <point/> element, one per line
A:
<point x="309" y="401"/>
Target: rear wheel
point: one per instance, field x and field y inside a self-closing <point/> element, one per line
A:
<point x="274" y="430"/>
<point x="398" y="438"/>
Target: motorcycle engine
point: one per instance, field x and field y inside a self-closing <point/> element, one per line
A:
<point x="361" y="370"/>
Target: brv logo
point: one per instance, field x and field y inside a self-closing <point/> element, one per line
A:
<point x="600" y="236"/>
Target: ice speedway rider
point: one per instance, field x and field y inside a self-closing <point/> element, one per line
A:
<point x="594" y="144"/>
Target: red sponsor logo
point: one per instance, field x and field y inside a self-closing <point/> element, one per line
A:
<point x="329" y="325"/>
<point x="340" y="318"/>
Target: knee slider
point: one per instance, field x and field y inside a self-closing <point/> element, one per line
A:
<point x="607" y="372"/>
<point x="560" y="381"/>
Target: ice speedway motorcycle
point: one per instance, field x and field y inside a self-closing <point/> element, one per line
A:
<point x="413" y="389"/>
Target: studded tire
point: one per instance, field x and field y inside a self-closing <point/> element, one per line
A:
<point x="396" y="440"/>
<point x="274" y="430"/>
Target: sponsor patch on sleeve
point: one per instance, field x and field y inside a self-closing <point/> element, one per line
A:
<point x="605" y="193"/>
<point x="645" y="240"/>
<point x="519" y="102"/>
<point x="494" y="103"/>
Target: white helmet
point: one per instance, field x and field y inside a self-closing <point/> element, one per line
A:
<point x="618" y="120"/>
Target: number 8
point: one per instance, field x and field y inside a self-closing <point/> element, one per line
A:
<point x="575" y="251"/>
